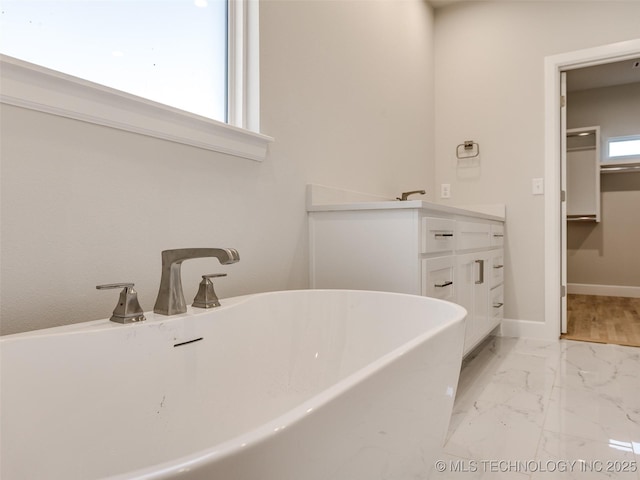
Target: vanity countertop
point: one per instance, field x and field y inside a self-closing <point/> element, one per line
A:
<point x="326" y="199"/>
<point x="482" y="212"/>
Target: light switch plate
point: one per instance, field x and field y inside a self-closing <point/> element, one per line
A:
<point x="445" y="190"/>
<point x="537" y="186"/>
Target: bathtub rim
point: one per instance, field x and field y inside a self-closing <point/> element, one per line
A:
<point x="153" y="319"/>
<point x="264" y="431"/>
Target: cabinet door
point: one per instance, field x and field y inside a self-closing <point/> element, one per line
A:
<point x="497" y="304"/>
<point x="497" y="235"/>
<point x="472" y="235"/>
<point x="473" y="294"/>
<point x="438" y="278"/>
<point x="438" y="235"/>
<point x="496" y="270"/>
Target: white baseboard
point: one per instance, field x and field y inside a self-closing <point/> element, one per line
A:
<point x="527" y="329"/>
<point x="604" y="290"/>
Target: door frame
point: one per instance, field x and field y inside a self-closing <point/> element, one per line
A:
<point x="555" y="248"/>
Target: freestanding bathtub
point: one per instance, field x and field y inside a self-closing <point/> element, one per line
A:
<point x="297" y="385"/>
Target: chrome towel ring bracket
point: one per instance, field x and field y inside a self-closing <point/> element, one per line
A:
<point x="468" y="149"/>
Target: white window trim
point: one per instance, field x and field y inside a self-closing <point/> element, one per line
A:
<point x="34" y="87"/>
<point x="244" y="64"/>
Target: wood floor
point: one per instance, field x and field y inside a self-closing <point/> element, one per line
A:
<point x="592" y="318"/>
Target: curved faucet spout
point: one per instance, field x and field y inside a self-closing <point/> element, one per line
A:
<point x="405" y="195"/>
<point x="170" y="299"/>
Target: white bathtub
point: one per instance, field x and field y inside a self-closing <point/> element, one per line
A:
<point x="299" y="385"/>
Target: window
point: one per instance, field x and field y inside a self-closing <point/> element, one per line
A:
<point x="623" y="149"/>
<point x="170" y="51"/>
<point x="173" y="69"/>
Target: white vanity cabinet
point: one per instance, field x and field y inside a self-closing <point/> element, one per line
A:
<point x="480" y="269"/>
<point x="413" y="247"/>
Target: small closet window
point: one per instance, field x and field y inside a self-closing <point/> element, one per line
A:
<point x="623" y="149"/>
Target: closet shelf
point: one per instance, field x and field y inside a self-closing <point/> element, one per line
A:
<point x="581" y="148"/>
<point x="619" y="167"/>
<point x="582" y="218"/>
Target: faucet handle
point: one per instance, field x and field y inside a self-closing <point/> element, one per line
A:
<point x="206" y="296"/>
<point x="128" y="309"/>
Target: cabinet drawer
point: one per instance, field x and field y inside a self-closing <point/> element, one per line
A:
<point x="438" y="277"/>
<point x="437" y="235"/>
<point x="497" y="235"/>
<point x="497" y="302"/>
<point x="497" y="267"/>
<point x="471" y="235"/>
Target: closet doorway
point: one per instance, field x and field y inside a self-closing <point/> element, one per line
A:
<point x="602" y="203"/>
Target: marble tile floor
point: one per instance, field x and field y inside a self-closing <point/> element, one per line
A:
<point x="530" y="409"/>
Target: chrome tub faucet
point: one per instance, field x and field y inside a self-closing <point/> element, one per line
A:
<point x="170" y="299"/>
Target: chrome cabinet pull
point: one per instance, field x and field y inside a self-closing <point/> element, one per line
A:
<point x="442" y="235"/>
<point x="497" y="305"/>
<point x="498" y="266"/>
<point x="444" y="284"/>
<point x="480" y="280"/>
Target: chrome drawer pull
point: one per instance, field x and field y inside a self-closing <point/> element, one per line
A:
<point x="498" y="305"/>
<point x="441" y="235"/>
<point x="480" y="280"/>
<point x="442" y="285"/>
<point x="498" y="266"/>
<point x="498" y="234"/>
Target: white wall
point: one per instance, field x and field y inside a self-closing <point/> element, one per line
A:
<point x="347" y="91"/>
<point x="606" y="253"/>
<point x="489" y="65"/>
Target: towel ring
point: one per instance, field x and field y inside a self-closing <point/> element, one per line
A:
<point x="468" y="148"/>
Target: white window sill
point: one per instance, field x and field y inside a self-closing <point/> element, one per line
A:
<point x="37" y="88"/>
